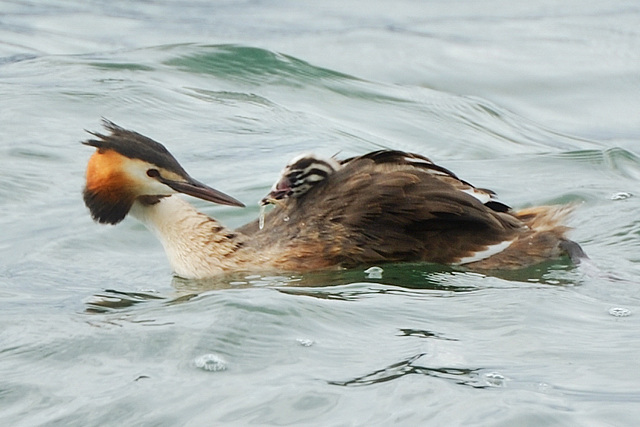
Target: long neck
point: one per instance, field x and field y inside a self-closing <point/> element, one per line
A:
<point x="197" y="246"/>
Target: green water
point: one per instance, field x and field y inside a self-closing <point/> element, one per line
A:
<point x="538" y="101"/>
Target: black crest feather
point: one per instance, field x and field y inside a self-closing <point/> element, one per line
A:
<point x="134" y="146"/>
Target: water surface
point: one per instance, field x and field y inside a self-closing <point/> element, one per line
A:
<point x="539" y="102"/>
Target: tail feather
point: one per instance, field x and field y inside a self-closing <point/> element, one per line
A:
<point x="546" y="218"/>
<point x="551" y="219"/>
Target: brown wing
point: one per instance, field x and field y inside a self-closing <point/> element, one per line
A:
<point x="373" y="211"/>
<point x="402" y="158"/>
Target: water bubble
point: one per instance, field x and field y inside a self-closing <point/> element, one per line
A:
<point x="305" y="342"/>
<point x="544" y="387"/>
<point x="261" y="221"/>
<point x="211" y="362"/>
<point x="374" y="273"/>
<point x="622" y="195"/>
<point x="619" y="312"/>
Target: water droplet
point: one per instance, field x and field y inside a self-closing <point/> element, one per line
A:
<point x="285" y="219"/>
<point x="305" y="342"/>
<point x="622" y="195"/>
<point x="619" y="312"/>
<point x="211" y="362"/>
<point x="261" y="221"/>
<point x="374" y="273"/>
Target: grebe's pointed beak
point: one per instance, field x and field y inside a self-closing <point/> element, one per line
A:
<point x="202" y="191"/>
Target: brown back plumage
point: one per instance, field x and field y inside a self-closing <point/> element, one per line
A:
<point x="373" y="210"/>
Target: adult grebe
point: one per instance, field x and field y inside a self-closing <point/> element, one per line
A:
<point x="385" y="206"/>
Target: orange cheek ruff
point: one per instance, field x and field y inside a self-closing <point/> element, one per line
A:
<point x="109" y="192"/>
<point x="105" y="176"/>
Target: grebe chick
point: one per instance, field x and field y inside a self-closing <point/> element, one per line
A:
<point x="300" y="175"/>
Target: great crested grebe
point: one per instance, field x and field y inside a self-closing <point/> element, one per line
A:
<point x="385" y="206"/>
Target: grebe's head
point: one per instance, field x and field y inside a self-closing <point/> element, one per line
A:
<point x="127" y="167"/>
<point x="300" y="175"/>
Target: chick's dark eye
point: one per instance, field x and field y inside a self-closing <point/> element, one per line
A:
<point x="153" y="173"/>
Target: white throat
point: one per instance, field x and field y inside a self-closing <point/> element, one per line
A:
<point x="197" y="246"/>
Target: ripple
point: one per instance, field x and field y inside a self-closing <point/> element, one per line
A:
<point x="420" y="333"/>
<point x="617" y="160"/>
<point x="251" y="65"/>
<point x="16" y="58"/>
<point x="462" y="376"/>
<point x="112" y="299"/>
<point x="121" y="66"/>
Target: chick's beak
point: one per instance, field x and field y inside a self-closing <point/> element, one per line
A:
<point x="202" y="191"/>
<point x="279" y="191"/>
